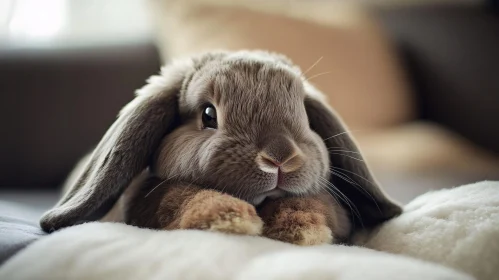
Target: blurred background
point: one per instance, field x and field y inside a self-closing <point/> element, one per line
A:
<point x="416" y="81"/>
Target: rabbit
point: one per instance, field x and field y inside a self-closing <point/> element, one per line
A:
<point x="230" y="141"/>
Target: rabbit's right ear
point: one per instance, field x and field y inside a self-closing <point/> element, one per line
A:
<point x="124" y="151"/>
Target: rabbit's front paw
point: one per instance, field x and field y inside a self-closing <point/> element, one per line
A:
<point x="298" y="227"/>
<point x="214" y="211"/>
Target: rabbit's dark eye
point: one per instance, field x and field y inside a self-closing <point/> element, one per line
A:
<point x="209" y="117"/>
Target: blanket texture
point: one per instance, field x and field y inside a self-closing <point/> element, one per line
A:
<point x="447" y="234"/>
<point x="456" y="227"/>
<point x="116" y="251"/>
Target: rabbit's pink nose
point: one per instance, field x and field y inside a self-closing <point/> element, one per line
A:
<point x="269" y="160"/>
<point x="269" y="164"/>
<point x="280" y="154"/>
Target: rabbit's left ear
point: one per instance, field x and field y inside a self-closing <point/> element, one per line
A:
<point x="349" y="173"/>
<point x="124" y="151"/>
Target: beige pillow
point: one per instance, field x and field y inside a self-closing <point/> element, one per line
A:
<point x="364" y="84"/>
<point x="427" y="149"/>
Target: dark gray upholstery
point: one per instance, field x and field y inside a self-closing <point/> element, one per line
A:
<point x="18" y="228"/>
<point x="56" y="104"/>
<point x="450" y="54"/>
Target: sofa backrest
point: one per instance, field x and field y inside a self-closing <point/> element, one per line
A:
<point x="451" y="54"/>
<point x="56" y="104"/>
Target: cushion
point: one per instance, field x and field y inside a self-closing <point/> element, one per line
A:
<point x="427" y="149"/>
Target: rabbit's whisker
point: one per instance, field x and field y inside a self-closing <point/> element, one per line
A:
<point x="335" y="171"/>
<point x="161" y="183"/>
<point x="317" y="75"/>
<point x="350" y="180"/>
<point x="332" y="193"/>
<point x="348" y="156"/>
<point x="364" y="178"/>
<point x="324" y="188"/>
<point x="311" y="67"/>
<point x="153" y="189"/>
<point x="343" y="197"/>
<point x="341" y="133"/>
<point x="345" y="151"/>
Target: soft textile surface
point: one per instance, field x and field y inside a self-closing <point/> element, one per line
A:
<point x="457" y="228"/>
<point x="116" y="251"/>
<point x="18" y="228"/>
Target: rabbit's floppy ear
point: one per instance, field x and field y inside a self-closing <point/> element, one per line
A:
<point x="124" y="151"/>
<point x="349" y="173"/>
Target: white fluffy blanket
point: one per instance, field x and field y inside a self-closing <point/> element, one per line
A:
<point x="456" y="228"/>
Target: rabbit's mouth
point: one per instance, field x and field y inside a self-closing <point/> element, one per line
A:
<point x="272" y="194"/>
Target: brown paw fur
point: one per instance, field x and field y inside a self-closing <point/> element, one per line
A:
<point x="213" y="211"/>
<point x="298" y="227"/>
